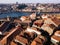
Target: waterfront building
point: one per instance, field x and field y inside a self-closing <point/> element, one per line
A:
<point x="33" y="16"/>
<point x="23" y="18"/>
<point x="8" y="18"/>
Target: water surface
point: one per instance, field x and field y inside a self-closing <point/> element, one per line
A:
<point x="14" y="14"/>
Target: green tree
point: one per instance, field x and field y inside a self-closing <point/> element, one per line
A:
<point x="22" y="6"/>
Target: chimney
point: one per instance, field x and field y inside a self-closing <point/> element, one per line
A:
<point x="8" y="18"/>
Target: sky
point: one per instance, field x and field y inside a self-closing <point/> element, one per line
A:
<point x="30" y="1"/>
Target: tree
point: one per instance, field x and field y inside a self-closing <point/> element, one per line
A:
<point x="34" y="8"/>
<point x="22" y="6"/>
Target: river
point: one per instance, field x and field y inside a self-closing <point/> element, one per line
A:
<point x="14" y="14"/>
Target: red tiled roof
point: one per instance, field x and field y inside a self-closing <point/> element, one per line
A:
<point x="57" y="32"/>
<point x="38" y="22"/>
<point x="56" y="37"/>
<point x="56" y="21"/>
<point x="21" y="39"/>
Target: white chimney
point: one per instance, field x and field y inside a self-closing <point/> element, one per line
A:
<point x="8" y="19"/>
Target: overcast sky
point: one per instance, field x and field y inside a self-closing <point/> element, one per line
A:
<point x="30" y="1"/>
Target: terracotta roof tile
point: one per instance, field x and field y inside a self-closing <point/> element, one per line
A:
<point x="56" y="21"/>
<point x="22" y="40"/>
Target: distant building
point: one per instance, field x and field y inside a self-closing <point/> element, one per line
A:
<point x="44" y="16"/>
<point x="8" y="18"/>
<point x="17" y="3"/>
<point x="33" y="16"/>
<point x="23" y="18"/>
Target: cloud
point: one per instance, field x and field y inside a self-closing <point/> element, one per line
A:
<point x="30" y="1"/>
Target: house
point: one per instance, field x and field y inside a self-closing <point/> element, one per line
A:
<point x="39" y="40"/>
<point x="44" y="16"/>
<point x="0" y="33"/>
<point x="54" y="21"/>
<point x="7" y="38"/>
<point x="38" y="23"/>
<point x="21" y="40"/>
<point x="33" y="30"/>
<point x="4" y="26"/>
<point x="13" y="43"/>
<point x="48" y="27"/>
<point x="33" y="16"/>
<point x="29" y="35"/>
<point x="48" y="21"/>
<point x="23" y="18"/>
<point x="56" y="37"/>
<point x="17" y="21"/>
